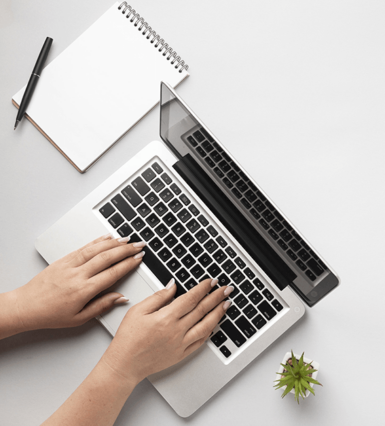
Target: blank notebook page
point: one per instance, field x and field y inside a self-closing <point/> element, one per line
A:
<point x="99" y="87"/>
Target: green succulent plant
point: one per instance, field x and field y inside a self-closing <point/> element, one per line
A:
<point x="297" y="376"/>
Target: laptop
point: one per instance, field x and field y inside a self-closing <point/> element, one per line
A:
<point x="202" y="215"/>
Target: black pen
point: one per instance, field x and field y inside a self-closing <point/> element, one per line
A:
<point x="33" y="79"/>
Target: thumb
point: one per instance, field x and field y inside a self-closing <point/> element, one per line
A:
<point x="159" y="299"/>
<point x="99" y="306"/>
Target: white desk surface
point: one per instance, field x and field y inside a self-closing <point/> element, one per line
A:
<point x="296" y="90"/>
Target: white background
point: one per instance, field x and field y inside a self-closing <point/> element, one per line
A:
<point x="296" y="91"/>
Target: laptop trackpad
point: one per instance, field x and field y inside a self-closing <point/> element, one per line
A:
<point x="135" y="288"/>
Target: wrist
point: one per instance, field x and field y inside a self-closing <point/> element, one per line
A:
<point x="11" y="321"/>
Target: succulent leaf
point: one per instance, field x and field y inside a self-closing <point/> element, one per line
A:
<point x="307" y="386"/>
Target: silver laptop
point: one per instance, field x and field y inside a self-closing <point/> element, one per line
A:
<point x="202" y="216"/>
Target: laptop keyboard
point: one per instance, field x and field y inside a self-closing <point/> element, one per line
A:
<point x="183" y="243"/>
<point x="251" y="199"/>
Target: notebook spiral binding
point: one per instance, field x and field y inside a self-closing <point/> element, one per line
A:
<point x="155" y="38"/>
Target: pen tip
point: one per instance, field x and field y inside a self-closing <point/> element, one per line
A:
<point x="17" y="122"/>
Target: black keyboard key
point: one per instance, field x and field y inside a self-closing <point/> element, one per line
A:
<point x="179" y="251"/>
<point x="193" y="225"/>
<point x="259" y="206"/>
<point x="188" y="261"/>
<point x="221" y="241"/>
<point x="170" y="240"/>
<point x="184" y="215"/>
<point x="196" y="250"/>
<point x="173" y="264"/>
<point x="153" y="220"/>
<point x="184" y="200"/>
<point x="187" y="239"/>
<point x="267" y="311"/>
<point x="277" y="305"/>
<point x="202" y="236"/>
<point x="138" y="223"/>
<point x="166" y="195"/>
<point x="309" y="273"/>
<point x="175" y="189"/>
<point x="226" y="352"/>
<point x="258" y="283"/>
<point x="211" y="246"/>
<point x="250" y="311"/>
<point x="268" y="295"/>
<point x="182" y="275"/>
<point x="255" y="297"/>
<point x="273" y="234"/>
<point x="277" y="225"/>
<point x="282" y="245"/>
<point x="147" y="234"/>
<point x="310" y="251"/>
<point x="224" y="280"/>
<point x="175" y="205"/>
<point x="264" y="224"/>
<point x="107" y="210"/>
<point x="149" y="175"/>
<point x="161" y="209"/>
<point x="165" y="255"/>
<point x="203" y="220"/>
<point x="214" y="270"/>
<point x="232" y="175"/>
<point x="191" y="283"/>
<point x="205" y="260"/>
<point x="156" y="244"/>
<point x="295" y="245"/>
<point x="131" y="196"/>
<point x="125" y="230"/>
<point x="251" y="197"/>
<point x="197" y="271"/>
<point x="206" y="145"/>
<point x="213" y="232"/>
<point x="245" y="203"/>
<point x="246" y="287"/>
<point x="245" y="326"/>
<point x="233" y="312"/>
<point x="141" y="186"/>
<point x="230" y="252"/>
<point x="151" y="198"/>
<point x="255" y="213"/>
<point x="224" y="166"/>
<point x="288" y="226"/>
<point x="261" y="196"/>
<point x="178" y="229"/>
<point x="236" y="276"/>
<point x="301" y="265"/>
<point x="216" y="156"/>
<point x="206" y="134"/>
<point x="322" y="264"/>
<point x="192" y="141"/>
<point x="218" y="172"/>
<point x="241" y="301"/>
<point x="193" y="210"/>
<point x="241" y="264"/>
<point x="232" y="332"/>
<point x="198" y="136"/>
<point x="217" y="147"/>
<point x="166" y="178"/>
<point x="304" y="255"/>
<point x="157" y="185"/>
<point x="227" y="182"/>
<point x="201" y="152"/>
<point x="157" y="168"/>
<point x="236" y="193"/>
<point x="259" y="321"/>
<point x="249" y="273"/>
<point x="115" y="220"/>
<point x="219" y="256"/>
<point x="161" y="230"/>
<point x="144" y="210"/>
<point x="169" y="219"/>
<point x="210" y="162"/>
<point x="228" y="266"/>
<point x="292" y="255"/>
<point x="125" y="209"/>
<point x="241" y="185"/>
<point x="315" y="267"/>
<point x="219" y="338"/>
<point x="268" y="215"/>
<point x="278" y="215"/>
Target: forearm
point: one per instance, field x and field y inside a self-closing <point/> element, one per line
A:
<point x="10" y="322"/>
<point x="97" y="401"/>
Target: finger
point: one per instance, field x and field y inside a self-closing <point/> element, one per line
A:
<point x="206" y="305"/>
<point x="159" y="299"/>
<point x="110" y="255"/>
<point x="207" y="325"/>
<point x="111" y="275"/>
<point x="99" y="306"/>
<point x="187" y="302"/>
<point x="194" y="346"/>
<point x="73" y="255"/>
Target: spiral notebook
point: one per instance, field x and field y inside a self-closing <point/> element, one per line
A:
<point x="102" y="85"/>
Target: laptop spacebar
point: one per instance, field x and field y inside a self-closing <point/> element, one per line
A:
<point x="156" y="266"/>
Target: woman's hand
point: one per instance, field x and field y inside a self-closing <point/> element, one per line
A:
<point x="63" y="294"/>
<point x="156" y="334"/>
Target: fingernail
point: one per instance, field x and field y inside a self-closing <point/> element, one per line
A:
<point x="139" y="255"/>
<point x="226" y="305"/>
<point x="124" y="240"/>
<point x="107" y="237"/>
<point x="170" y="284"/>
<point x="214" y="282"/>
<point x="228" y="290"/>
<point x="121" y="300"/>
<point x="140" y="244"/>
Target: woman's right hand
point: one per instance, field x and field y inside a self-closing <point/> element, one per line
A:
<point x="156" y="334"/>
